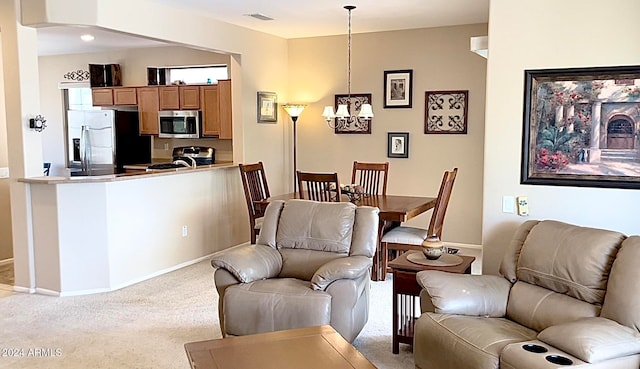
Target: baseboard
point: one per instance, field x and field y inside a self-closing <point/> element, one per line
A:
<point x="6" y="261"/>
<point x="24" y="289"/>
<point x="125" y="284"/>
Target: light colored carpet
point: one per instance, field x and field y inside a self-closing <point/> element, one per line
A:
<point x="146" y="325"/>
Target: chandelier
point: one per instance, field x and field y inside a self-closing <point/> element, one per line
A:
<point x="342" y="117"/>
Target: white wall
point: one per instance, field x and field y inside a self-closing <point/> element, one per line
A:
<point x="440" y="60"/>
<point x="6" y="246"/>
<point x="549" y="34"/>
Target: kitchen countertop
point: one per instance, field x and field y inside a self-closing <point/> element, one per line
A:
<point x="125" y="176"/>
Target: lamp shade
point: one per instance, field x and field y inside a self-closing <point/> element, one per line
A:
<point x="342" y="111"/>
<point x="294" y="110"/>
<point x="366" y="111"/>
<point x="328" y="112"/>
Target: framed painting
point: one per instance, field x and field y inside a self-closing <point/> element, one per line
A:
<point x="398" y="88"/>
<point x="398" y="144"/>
<point x="267" y="107"/>
<point x="353" y="124"/>
<point x="581" y="127"/>
<point x="445" y="112"/>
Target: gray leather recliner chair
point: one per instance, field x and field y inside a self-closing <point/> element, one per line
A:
<point x="310" y="266"/>
<point x="568" y="296"/>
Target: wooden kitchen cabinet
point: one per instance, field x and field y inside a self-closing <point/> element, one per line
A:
<point x="113" y="96"/>
<point x="102" y="97"/>
<point x="189" y="97"/>
<point x="148" y="106"/>
<point x="179" y="97"/>
<point x="215" y="103"/>
<point x="125" y="96"/>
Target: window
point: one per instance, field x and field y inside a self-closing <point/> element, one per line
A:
<point x="79" y="98"/>
<point x="198" y="75"/>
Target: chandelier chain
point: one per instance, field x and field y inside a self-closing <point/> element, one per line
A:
<point x="349" y="61"/>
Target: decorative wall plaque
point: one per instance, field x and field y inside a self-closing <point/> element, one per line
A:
<point x="446" y="112"/>
<point x="77" y="75"/>
<point x="353" y="124"/>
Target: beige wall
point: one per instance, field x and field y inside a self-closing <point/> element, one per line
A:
<point x="441" y="60"/>
<point x="134" y="63"/>
<point x="6" y="249"/>
<point x="549" y="34"/>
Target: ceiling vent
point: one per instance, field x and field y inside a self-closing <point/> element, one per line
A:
<point x="259" y="16"/>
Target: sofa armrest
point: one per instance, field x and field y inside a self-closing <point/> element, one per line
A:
<point x="593" y="339"/>
<point x="350" y="267"/>
<point x="475" y="295"/>
<point x="249" y="263"/>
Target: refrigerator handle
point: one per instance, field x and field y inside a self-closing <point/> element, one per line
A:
<point x="85" y="150"/>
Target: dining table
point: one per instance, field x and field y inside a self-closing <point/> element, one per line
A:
<point x="394" y="209"/>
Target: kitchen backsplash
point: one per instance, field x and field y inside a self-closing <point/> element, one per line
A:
<point x="163" y="147"/>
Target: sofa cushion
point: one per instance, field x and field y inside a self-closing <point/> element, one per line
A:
<point x="448" y="341"/>
<point x="538" y="308"/>
<point x="320" y="226"/>
<point x="274" y="304"/>
<point x="622" y="302"/>
<point x="593" y="339"/>
<point x="569" y="259"/>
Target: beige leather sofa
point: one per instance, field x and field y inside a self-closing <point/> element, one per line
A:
<point x="310" y="266"/>
<point x="568" y="296"/>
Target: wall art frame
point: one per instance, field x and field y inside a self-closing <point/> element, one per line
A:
<point x="581" y="127"/>
<point x="445" y="112"/>
<point x="398" y="88"/>
<point x="353" y="125"/>
<point x="398" y="145"/>
<point x="267" y="105"/>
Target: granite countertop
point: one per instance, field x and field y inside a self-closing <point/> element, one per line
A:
<point x="126" y="176"/>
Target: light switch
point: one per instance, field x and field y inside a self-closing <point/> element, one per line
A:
<point x="4" y="172"/>
<point x="508" y="204"/>
<point x="523" y="206"/>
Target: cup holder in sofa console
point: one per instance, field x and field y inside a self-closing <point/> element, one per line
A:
<point x="535" y="348"/>
<point x="559" y="360"/>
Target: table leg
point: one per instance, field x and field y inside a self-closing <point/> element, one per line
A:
<point x="376" y="270"/>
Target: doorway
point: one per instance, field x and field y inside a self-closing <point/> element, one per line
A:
<point x="620" y="134"/>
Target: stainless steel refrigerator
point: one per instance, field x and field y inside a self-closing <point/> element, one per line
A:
<point x="101" y="142"/>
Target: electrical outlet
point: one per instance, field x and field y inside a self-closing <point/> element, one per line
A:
<point x="166" y="147"/>
<point x="523" y="206"/>
<point x="185" y="231"/>
<point x="508" y="204"/>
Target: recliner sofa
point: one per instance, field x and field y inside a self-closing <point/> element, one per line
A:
<point x="568" y="296"/>
<point x="310" y="266"/>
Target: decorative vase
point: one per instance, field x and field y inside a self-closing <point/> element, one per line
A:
<point x="432" y="247"/>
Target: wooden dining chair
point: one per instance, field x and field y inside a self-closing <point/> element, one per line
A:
<point x="318" y="186"/>
<point x="256" y="189"/>
<point x="405" y="238"/>
<point x="371" y="176"/>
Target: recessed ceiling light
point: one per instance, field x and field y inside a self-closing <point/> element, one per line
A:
<point x="87" y="37"/>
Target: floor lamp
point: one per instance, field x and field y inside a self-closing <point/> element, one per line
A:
<point x="294" y="111"/>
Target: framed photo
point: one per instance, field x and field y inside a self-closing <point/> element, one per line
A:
<point x="353" y="124"/>
<point x="267" y="107"/>
<point x="581" y="127"/>
<point x="446" y="112"/>
<point x="398" y="88"/>
<point x="398" y="144"/>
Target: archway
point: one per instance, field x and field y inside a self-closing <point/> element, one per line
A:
<point x="620" y="133"/>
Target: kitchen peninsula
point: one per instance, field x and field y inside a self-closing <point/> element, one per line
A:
<point x="101" y="233"/>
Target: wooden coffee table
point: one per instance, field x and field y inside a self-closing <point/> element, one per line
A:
<point x="406" y="290"/>
<point x="312" y="348"/>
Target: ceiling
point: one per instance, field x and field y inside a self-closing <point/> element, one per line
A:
<point x="291" y="19"/>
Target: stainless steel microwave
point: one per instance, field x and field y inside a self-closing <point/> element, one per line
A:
<point x="179" y="124"/>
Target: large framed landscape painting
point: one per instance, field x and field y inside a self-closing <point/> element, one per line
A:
<point x="582" y="127"/>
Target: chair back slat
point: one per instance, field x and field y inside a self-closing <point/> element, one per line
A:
<point x="437" y="218"/>
<point x="256" y="189"/>
<point x="318" y="186"/>
<point x="371" y="176"/>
